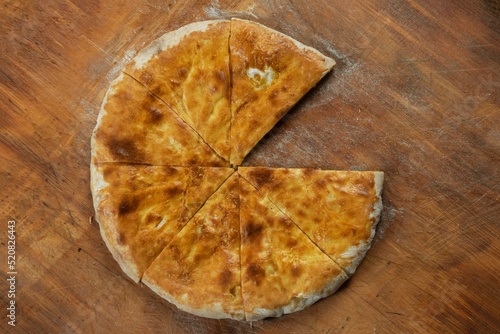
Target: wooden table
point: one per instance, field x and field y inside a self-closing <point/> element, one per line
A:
<point x="415" y="94"/>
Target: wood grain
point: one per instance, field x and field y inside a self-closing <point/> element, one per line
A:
<point x="415" y="94"/>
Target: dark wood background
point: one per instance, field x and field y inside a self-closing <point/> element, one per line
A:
<point x="415" y="94"/>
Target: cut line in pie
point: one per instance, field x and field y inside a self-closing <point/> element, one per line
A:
<point x="141" y="208"/>
<point x="243" y="243"/>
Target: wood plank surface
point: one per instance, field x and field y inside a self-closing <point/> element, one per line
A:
<point x="415" y="94"/>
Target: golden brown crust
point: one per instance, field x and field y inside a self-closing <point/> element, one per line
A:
<point x="270" y="72"/>
<point x="136" y="127"/>
<point x="338" y="210"/>
<point x="141" y="208"/>
<point x="267" y="243"/>
<point x="189" y="70"/>
<point x="199" y="271"/>
<point x="282" y="270"/>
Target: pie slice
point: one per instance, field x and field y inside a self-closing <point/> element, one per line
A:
<point x="141" y="208"/>
<point x="282" y="271"/>
<point x="338" y="210"/>
<point x="270" y="72"/>
<point x="189" y="70"/>
<point x="199" y="271"/>
<point x="136" y="127"/>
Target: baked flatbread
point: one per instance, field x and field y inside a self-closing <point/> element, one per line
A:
<point x="338" y="210"/>
<point x="282" y="271"/>
<point x="136" y="127"/>
<point x="199" y="271"/>
<point x="189" y="70"/>
<point x="245" y="245"/>
<point x="141" y="208"/>
<point x="270" y="72"/>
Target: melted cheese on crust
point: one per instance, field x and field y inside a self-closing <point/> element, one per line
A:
<point x="141" y="208"/>
<point x="282" y="270"/>
<point x="136" y="127"/>
<point x="199" y="271"/>
<point x="270" y="73"/>
<point x="338" y="210"/>
<point x="189" y="70"/>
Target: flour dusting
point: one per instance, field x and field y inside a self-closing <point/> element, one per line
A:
<point x="214" y="11"/>
<point x="120" y="65"/>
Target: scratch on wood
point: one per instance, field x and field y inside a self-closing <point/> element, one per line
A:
<point x="396" y="313"/>
<point x="374" y="308"/>
<point x="94" y="44"/>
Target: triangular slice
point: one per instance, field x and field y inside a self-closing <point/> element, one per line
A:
<point x="282" y="271"/>
<point x="141" y="208"/>
<point x="136" y="127"/>
<point x="270" y="72"/>
<point x="189" y="70"/>
<point x="199" y="271"/>
<point x="338" y="210"/>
